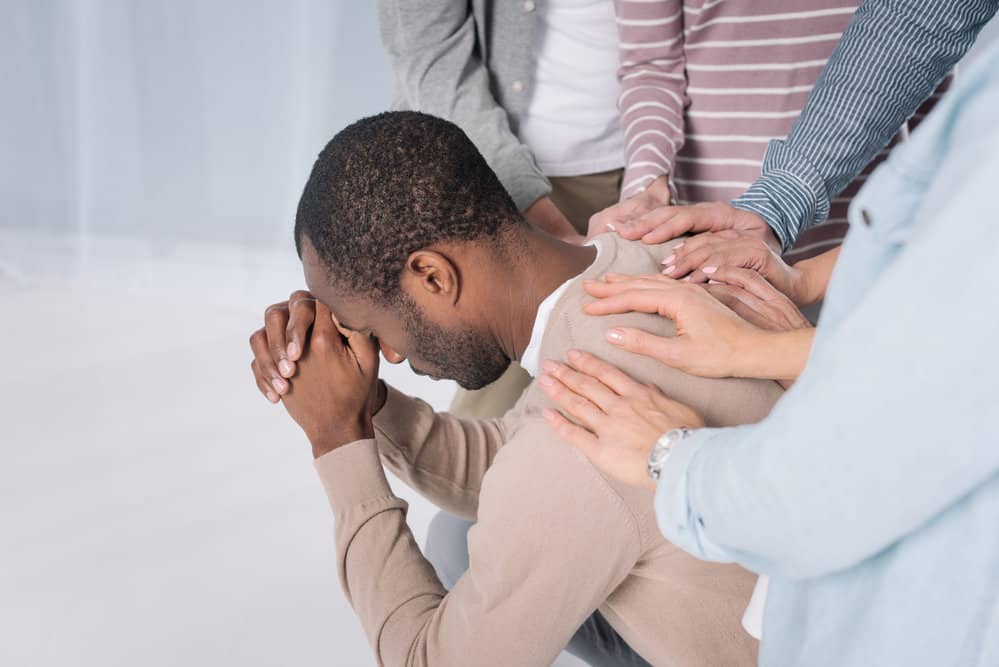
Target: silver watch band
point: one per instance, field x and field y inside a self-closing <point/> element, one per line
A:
<point x="662" y="449"/>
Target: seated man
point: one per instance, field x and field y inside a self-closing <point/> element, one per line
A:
<point x="410" y="244"/>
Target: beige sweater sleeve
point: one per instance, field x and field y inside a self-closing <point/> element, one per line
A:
<point x="441" y="456"/>
<point x="553" y="539"/>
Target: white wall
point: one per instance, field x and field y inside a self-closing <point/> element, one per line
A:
<point x="154" y="509"/>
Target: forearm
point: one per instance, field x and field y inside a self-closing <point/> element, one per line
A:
<point x="381" y="569"/>
<point x="815" y="274"/>
<point x="653" y="89"/>
<point x="432" y="48"/>
<point x="489" y="616"/>
<point x="544" y="215"/>
<point x="885" y="430"/>
<point x="891" y="57"/>
<point x="441" y="456"/>
<point x="774" y="355"/>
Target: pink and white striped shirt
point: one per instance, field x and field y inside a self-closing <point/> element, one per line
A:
<point x="706" y="84"/>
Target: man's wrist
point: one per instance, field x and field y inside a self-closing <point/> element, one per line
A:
<point x="345" y="433"/>
<point x="327" y="441"/>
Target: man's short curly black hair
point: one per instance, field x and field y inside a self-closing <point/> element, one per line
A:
<point x="389" y="185"/>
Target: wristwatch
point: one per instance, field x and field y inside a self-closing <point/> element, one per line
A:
<point x="663" y="448"/>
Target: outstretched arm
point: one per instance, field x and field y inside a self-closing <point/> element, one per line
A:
<point x="889" y="60"/>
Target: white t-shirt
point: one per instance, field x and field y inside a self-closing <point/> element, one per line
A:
<point x="572" y="123"/>
<point x="530" y="360"/>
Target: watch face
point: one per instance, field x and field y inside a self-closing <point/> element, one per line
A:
<point x="659" y="455"/>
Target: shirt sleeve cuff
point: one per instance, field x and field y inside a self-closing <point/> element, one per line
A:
<point x="677" y="520"/>
<point x="352" y="474"/>
<point x="790" y="195"/>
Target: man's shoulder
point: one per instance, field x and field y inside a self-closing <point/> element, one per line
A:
<point x="723" y="402"/>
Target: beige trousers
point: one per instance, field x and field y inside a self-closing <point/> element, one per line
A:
<point x="578" y="197"/>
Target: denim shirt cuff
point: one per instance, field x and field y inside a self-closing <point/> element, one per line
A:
<point x="790" y="195"/>
<point x="677" y="520"/>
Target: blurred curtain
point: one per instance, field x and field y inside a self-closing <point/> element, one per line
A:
<point x="180" y="120"/>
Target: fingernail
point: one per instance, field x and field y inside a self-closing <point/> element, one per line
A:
<point x="669" y="260"/>
<point x="611" y="227"/>
<point x="615" y="336"/>
<point x="549" y="366"/>
<point x="714" y="282"/>
<point x="292" y="349"/>
<point x="546" y="381"/>
<point x="678" y="245"/>
<point x="709" y="269"/>
<point x="575" y="355"/>
<point x="285" y="367"/>
<point x="549" y="414"/>
<point x="687" y="279"/>
<point x="669" y="269"/>
<point x="272" y="397"/>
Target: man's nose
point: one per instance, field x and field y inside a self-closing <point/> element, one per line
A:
<point x="390" y="355"/>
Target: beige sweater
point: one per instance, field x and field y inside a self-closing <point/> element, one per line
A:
<point x="554" y="539"/>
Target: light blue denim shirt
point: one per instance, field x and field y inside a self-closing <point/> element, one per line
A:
<point x="871" y="494"/>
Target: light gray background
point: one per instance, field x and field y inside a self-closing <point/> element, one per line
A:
<point x="153" y="508"/>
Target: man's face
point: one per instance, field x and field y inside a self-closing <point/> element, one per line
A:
<point x="466" y="354"/>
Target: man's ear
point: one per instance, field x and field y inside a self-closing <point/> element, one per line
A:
<point x="432" y="274"/>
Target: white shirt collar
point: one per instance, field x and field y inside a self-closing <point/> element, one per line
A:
<point x="531" y="359"/>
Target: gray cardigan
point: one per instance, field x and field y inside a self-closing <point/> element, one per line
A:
<point x="470" y="61"/>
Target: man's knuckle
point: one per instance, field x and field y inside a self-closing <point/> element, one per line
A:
<point x="275" y="312"/>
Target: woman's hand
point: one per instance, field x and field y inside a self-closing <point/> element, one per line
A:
<point x="669" y="222"/>
<point x="620" y="419"/>
<point x="697" y="257"/>
<point x="755" y="300"/>
<point x="711" y="340"/>
<point x="624" y="212"/>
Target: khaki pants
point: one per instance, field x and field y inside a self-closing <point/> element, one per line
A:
<point x="578" y="197"/>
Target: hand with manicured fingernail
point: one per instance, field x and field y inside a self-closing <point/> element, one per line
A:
<point x="669" y="222"/>
<point x="698" y="257"/>
<point x="618" y="420"/>
<point x="619" y="216"/>
<point x="711" y="339"/>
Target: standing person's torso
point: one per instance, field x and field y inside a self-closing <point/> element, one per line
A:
<point x="571" y="122"/>
<point x="750" y="68"/>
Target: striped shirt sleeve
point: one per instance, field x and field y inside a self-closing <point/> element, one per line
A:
<point x="891" y="57"/>
<point x="653" y="88"/>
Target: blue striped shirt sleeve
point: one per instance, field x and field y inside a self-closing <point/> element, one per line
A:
<point x="891" y="57"/>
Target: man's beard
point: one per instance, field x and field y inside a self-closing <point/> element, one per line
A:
<point x="470" y="358"/>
